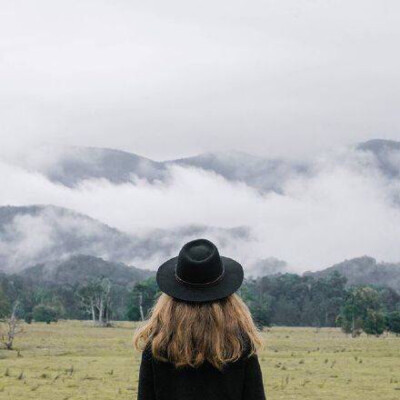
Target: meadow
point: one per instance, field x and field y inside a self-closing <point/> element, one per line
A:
<point x="74" y="360"/>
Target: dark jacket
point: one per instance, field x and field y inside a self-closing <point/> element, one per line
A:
<point x="241" y="380"/>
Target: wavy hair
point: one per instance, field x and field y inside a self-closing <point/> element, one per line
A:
<point x="187" y="334"/>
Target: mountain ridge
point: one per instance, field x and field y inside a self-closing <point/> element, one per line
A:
<point x="364" y="270"/>
<point x="81" y="268"/>
<point x="48" y="234"/>
<point x="72" y="165"/>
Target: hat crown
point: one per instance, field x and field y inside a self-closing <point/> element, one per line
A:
<point x="199" y="263"/>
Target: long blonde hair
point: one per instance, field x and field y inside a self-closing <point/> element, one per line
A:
<point x="187" y="334"/>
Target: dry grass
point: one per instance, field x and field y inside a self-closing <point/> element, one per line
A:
<point x="73" y="360"/>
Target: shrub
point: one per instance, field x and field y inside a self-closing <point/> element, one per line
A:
<point x="43" y="313"/>
<point x="28" y="318"/>
<point x="261" y="315"/>
<point x="374" y="323"/>
<point x="393" y="321"/>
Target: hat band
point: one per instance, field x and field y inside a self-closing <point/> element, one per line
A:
<point x="214" y="282"/>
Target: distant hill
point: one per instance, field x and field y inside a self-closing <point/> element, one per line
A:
<point x="71" y="166"/>
<point x="386" y="154"/>
<point x="267" y="266"/>
<point x="82" y="268"/>
<point x="258" y="172"/>
<point x="363" y="271"/>
<point x="36" y="234"/>
<point x="379" y="145"/>
<point x="43" y="234"/>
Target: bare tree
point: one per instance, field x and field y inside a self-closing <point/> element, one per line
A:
<point x="10" y="328"/>
<point x="87" y="297"/>
<point x="141" y="306"/>
<point x="103" y="300"/>
<point x="96" y="299"/>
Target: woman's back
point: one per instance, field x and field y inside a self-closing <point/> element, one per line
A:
<point x="239" y="380"/>
<point x="200" y="341"/>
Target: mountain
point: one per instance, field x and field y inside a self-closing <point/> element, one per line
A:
<point x="40" y="234"/>
<point x="258" y="172"/>
<point x="32" y="235"/>
<point x="267" y="266"/>
<point x="71" y="166"/>
<point x="386" y="154"/>
<point x="82" y="268"/>
<point x="44" y="234"/>
<point x="365" y="271"/>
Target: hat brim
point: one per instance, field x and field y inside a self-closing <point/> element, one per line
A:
<point x="229" y="284"/>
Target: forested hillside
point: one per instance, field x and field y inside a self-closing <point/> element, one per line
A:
<point x="365" y="271"/>
<point x="82" y="269"/>
<point x="86" y="287"/>
<point x="80" y="287"/>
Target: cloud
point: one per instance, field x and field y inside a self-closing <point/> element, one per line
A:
<point x="174" y="78"/>
<point x="27" y="238"/>
<point x="343" y="209"/>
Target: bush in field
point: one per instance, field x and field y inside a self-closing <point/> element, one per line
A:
<point x="351" y="326"/>
<point x="362" y="312"/>
<point x="28" y="317"/>
<point x="374" y="323"/>
<point x="43" y="313"/>
<point x="261" y="314"/>
<point x="393" y="321"/>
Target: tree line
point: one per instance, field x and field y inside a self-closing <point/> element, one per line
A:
<point x="293" y="300"/>
<point x="283" y="299"/>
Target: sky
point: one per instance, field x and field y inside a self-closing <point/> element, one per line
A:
<point x="296" y="79"/>
<point x="169" y="79"/>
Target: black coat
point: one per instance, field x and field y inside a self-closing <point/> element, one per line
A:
<point x="241" y="380"/>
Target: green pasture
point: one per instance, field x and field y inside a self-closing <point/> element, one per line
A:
<point x="74" y="360"/>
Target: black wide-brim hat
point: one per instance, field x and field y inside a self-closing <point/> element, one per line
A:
<point x="199" y="273"/>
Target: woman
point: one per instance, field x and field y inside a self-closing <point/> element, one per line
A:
<point x="200" y="341"/>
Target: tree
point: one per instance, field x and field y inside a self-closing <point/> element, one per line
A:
<point x="96" y="299"/>
<point x="393" y="322"/>
<point x="257" y="301"/>
<point x="390" y="299"/>
<point x="103" y="301"/>
<point x="361" y="311"/>
<point x="260" y="314"/>
<point x="44" y="313"/>
<point x="17" y="291"/>
<point x="328" y="295"/>
<point x="87" y="296"/>
<point x="4" y="304"/>
<point x="374" y="323"/>
<point x="141" y="299"/>
<point x="10" y="327"/>
<point x="28" y="317"/>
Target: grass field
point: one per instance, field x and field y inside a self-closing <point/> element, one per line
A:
<point x="73" y="360"/>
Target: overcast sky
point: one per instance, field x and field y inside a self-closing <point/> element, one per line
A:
<point x="172" y="78"/>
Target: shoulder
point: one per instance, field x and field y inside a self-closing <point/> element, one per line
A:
<point x="248" y="349"/>
<point x="147" y="354"/>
